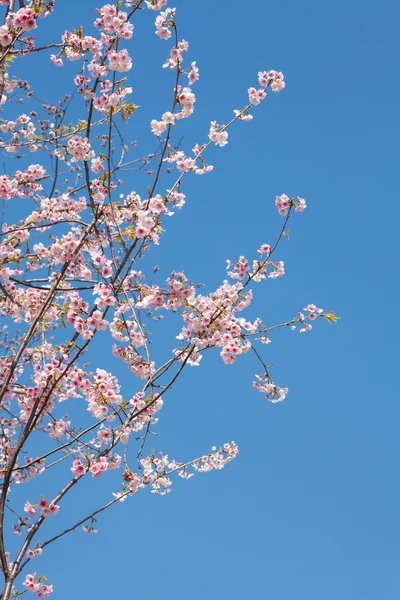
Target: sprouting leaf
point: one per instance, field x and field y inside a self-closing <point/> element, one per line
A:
<point x="130" y="108"/>
<point x="330" y="317"/>
<point x="81" y="125"/>
<point x="126" y="110"/>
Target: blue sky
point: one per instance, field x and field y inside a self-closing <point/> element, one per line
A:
<point x="309" y="509"/>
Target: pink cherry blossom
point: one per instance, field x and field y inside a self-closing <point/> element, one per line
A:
<point x="256" y="96"/>
<point x="29" y="509"/>
<point x="5" y="37"/>
<point x="156" y="4"/>
<point x="78" y="469"/>
<point x="164" y="21"/>
<point x="158" y="127"/>
<point x="193" y="74"/>
<point x="300" y="205"/>
<point x="168" y="118"/>
<point x="277" y="85"/>
<point x="79" y="148"/>
<point x="119" y="61"/>
<point x="220" y="138"/>
<point x="283" y="204"/>
<point x="45" y="591"/>
<point x="56" y="60"/>
<point x="31" y="584"/>
<point x="24" y="19"/>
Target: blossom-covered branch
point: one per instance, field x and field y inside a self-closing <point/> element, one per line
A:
<point x="74" y="269"/>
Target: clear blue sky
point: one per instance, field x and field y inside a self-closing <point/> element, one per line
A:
<point x="310" y="508"/>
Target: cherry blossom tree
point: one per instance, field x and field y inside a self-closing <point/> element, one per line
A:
<point x="75" y="269"/>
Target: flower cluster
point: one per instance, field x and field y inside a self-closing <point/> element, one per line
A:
<point x="271" y="79"/>
<point x="259" y="269"/>
<point x="5" y="37"/>
<point x="272" y="392"/>
<point x="35" y="552"/>
<point x="218" y="134"/>
<point x="274" y="79"/>
<point x="164" y="22"/>
<point x="56" y="429"/>
<point x="79" y="148"/>
<point x="153" y="4"/>
<point x="283" y="204"/>
<point x="313" y="313"/>
<point x="24" y="19"/>
<point x="119" y="61"/>
<point x="46" y="509"/>
<point x="211" y="321"/>
<point x="158" y="469"/>
<point x="114" y="23"/>
<point x="158" y="127"/>
<point x="35" y="585"/>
